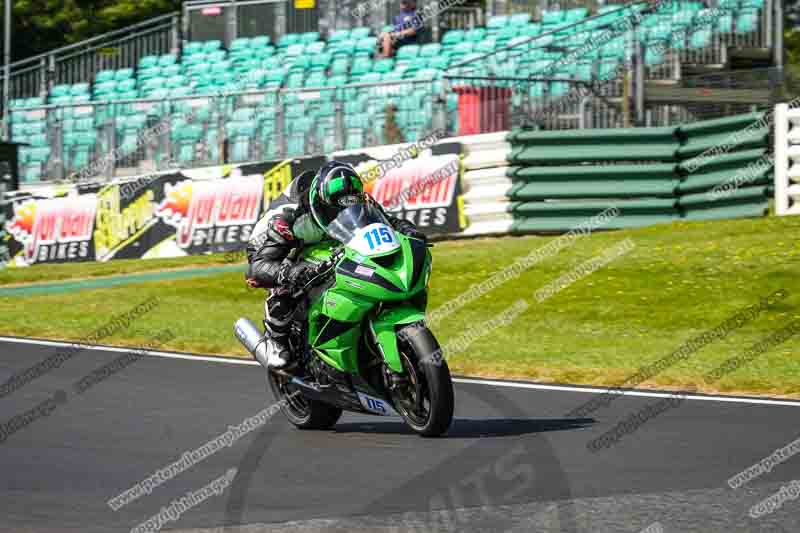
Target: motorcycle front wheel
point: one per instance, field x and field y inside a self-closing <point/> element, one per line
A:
<point x="425" y="396"/>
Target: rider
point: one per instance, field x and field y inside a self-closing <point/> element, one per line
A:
<point x="299" y="216"/>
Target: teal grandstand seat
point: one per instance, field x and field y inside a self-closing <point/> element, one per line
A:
<point x="361" y="65"/>
<point x="747" y="21"/>
<point x="260" y="42"/>
<point x="725" y="24"/>
<point x="167" y="60"/>
<point x="366" y="44"/>
<point x="338" y="35"/>
<point x="241" y="43"/>
<point x="309" y="37"/>
<point x="453" y="37"/>
<point x="360" y="33"/>
<point x="553" y="18"/>
<point x="520" y="19"/>
<point x="289" y="39"/>
<point x="346" y="48"/>
<point x="317" y="47"/>
<point x="497" y="22"/>
<point x="475" y="35"/>
<point x="383" y="65"/>
<point x="148" y="62"/>
<point x="192" y="48"/>
<point x="148" y="73"/>
<point x="216" y="56"/>
<point x="531" y="30"/>
<point x="212" y="46"/>
<point x="104" y="76"/>
<point x="574" y="15"/>
<point x="59" y="91"/>
<point x="171" y="71"/>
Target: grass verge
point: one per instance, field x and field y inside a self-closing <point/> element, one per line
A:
<point x="680" y="280"/>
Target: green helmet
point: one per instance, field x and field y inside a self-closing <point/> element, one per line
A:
<point x="336" y="187"/>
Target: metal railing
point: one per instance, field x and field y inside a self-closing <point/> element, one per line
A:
<point x="80" y="62"/>
<point x="718" y="95"/>
<point x="461" y="18"/>
<point x="97" y="140"/>
<point x="488" y="104"/>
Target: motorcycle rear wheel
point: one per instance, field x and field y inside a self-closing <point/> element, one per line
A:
<point x="300" y="411"/>
<point x="426" y="402"/>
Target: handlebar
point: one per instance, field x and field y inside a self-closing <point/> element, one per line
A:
<point x="324" y="269"/>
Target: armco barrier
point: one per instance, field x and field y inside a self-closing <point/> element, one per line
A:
<point x="708" y="170"/>
<point x="725" y="165"/>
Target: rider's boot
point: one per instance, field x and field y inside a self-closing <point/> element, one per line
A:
<point x="278" y="353"/>
<point x="277" y="323"/>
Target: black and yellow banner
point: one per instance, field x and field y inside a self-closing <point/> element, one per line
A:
<point x="169" y="214"/>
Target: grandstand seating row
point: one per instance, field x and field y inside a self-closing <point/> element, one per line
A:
<point x="303" y="61"/>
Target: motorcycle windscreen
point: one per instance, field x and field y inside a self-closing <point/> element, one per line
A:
<point x="365" y="229"/>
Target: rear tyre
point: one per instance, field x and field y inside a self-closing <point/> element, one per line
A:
<point x="426" y="401"/>
<point x="302" y="412"/>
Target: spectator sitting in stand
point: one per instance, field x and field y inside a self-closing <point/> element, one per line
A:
<point x="407" y="27"/>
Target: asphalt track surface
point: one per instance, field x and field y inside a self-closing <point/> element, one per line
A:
<point x="511" y="461"/>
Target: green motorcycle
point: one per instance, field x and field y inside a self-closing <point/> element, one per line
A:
<point x="359" y="340"/>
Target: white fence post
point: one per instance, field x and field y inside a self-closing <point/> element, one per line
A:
<point x="787" y="160"/>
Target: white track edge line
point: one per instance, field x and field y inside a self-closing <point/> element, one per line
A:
<point x="476" y="381"/>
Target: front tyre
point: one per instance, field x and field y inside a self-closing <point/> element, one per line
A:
<point x="302" y="412"/>
<point x="424" y="396"/>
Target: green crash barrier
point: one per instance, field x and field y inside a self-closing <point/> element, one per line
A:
<point x="617" y="151"/>
<point x="564" y="224"/>
<point x="649" y="174"/>
<point x="741" y="195"/>
<point x="727" y="141"/>
<point x="734" y="160"/>
<point x="718" y="125"/>
<point x="594" y="189"/>
<point x="594" y="136"/>
<point x="749" y="210"/>
<point x="588" y="208"/>
<point x="592" y="172"/>
<point x="724" y="178"/>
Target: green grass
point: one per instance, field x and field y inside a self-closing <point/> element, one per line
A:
<point x="75" y="271"/>
<point x="680" y="280"/>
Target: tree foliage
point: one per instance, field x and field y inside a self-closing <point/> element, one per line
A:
<point x="39" y="26"/>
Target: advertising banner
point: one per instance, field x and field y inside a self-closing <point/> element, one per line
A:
<point x="169" y="214"/>
<point x="425" y="191"/>
<point x="206" y="210"/>
<point x="422" y="184"/>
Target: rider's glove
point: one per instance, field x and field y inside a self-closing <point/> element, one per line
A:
<point x="296" y="277"/>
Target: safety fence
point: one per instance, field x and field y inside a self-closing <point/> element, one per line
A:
<point x="708" y="170"/>
<point x="80" y="62"/>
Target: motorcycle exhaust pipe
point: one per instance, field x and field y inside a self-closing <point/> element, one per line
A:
<point x="252" y="339"/>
